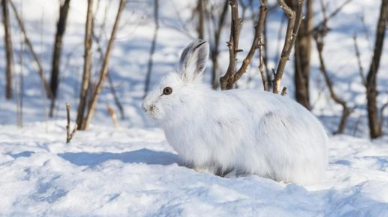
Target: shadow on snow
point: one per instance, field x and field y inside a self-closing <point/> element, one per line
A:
<point x="145" y="156"/>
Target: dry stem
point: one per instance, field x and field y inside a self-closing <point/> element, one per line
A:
<point x="104" y="68"/>
<point x="113" y="115"/>
<point x="69" y="135"/>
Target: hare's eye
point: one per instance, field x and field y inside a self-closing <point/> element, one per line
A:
<point x="167" y="90"/>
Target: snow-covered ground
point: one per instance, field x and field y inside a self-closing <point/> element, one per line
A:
<point x="131" y="170"/>
<point x="134" y="172"/>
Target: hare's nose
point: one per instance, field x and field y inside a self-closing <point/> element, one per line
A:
<point x="147" y="107"/>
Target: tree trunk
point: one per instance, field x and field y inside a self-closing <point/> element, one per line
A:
<point x="373" y="116"/>
<point x="8" y="49"/>
<point x="201" y="20"/>
<point x="56" y="61"/>
<point x="302" y="58"/>
<point x="87" y="66"/>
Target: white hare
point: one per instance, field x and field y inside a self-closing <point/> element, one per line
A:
<point x="244" y="131"/>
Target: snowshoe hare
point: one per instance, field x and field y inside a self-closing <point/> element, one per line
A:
<point x="240" y="131"/>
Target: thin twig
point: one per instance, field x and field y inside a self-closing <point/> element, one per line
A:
<point x="365" y="29"/>
<point x="152" y="49"/>
<point x="385" y="105"/>
<point x="113" y="115"/>
<point x="329" y="17"/>
<point x="361" y="69"/>
<point x="355" y="129"/>
<point x="21" y="85"/>
<point x="279" y="38"/>
<point x="30" y="47"/>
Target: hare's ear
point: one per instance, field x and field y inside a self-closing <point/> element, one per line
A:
<point x="193" y="60"/>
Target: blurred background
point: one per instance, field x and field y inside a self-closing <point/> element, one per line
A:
<point x="105" y="55"/>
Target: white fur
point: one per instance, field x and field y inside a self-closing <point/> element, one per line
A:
<point x="244" y="131"/>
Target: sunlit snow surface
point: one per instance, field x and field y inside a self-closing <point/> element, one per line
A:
<point x="133" y="172"/>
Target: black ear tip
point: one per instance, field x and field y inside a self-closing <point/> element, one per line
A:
<point x="200" y="43"/>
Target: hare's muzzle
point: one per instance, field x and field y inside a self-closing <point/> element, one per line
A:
<point x="147" y="107"/>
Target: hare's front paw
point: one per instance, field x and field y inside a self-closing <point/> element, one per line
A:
<point x="202" y="170"/>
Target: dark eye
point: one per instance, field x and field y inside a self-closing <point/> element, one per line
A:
<point x="167" y="90"/>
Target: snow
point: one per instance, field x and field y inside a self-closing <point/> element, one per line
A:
<point x="134" y="172"/>
<point x="131" y="170"/>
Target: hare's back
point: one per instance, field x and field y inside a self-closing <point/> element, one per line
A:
<point x="280" y="115"/>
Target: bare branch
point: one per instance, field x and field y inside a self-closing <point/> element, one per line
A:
<point x="230" y="78"/>
<point x="346" y="111"/>
<point x="256" y="42"/>
<point x="278" y="52"/>
<point x="262" y="63"/>
<point x="294" y="20"/>
<point x="232" y="46"/>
